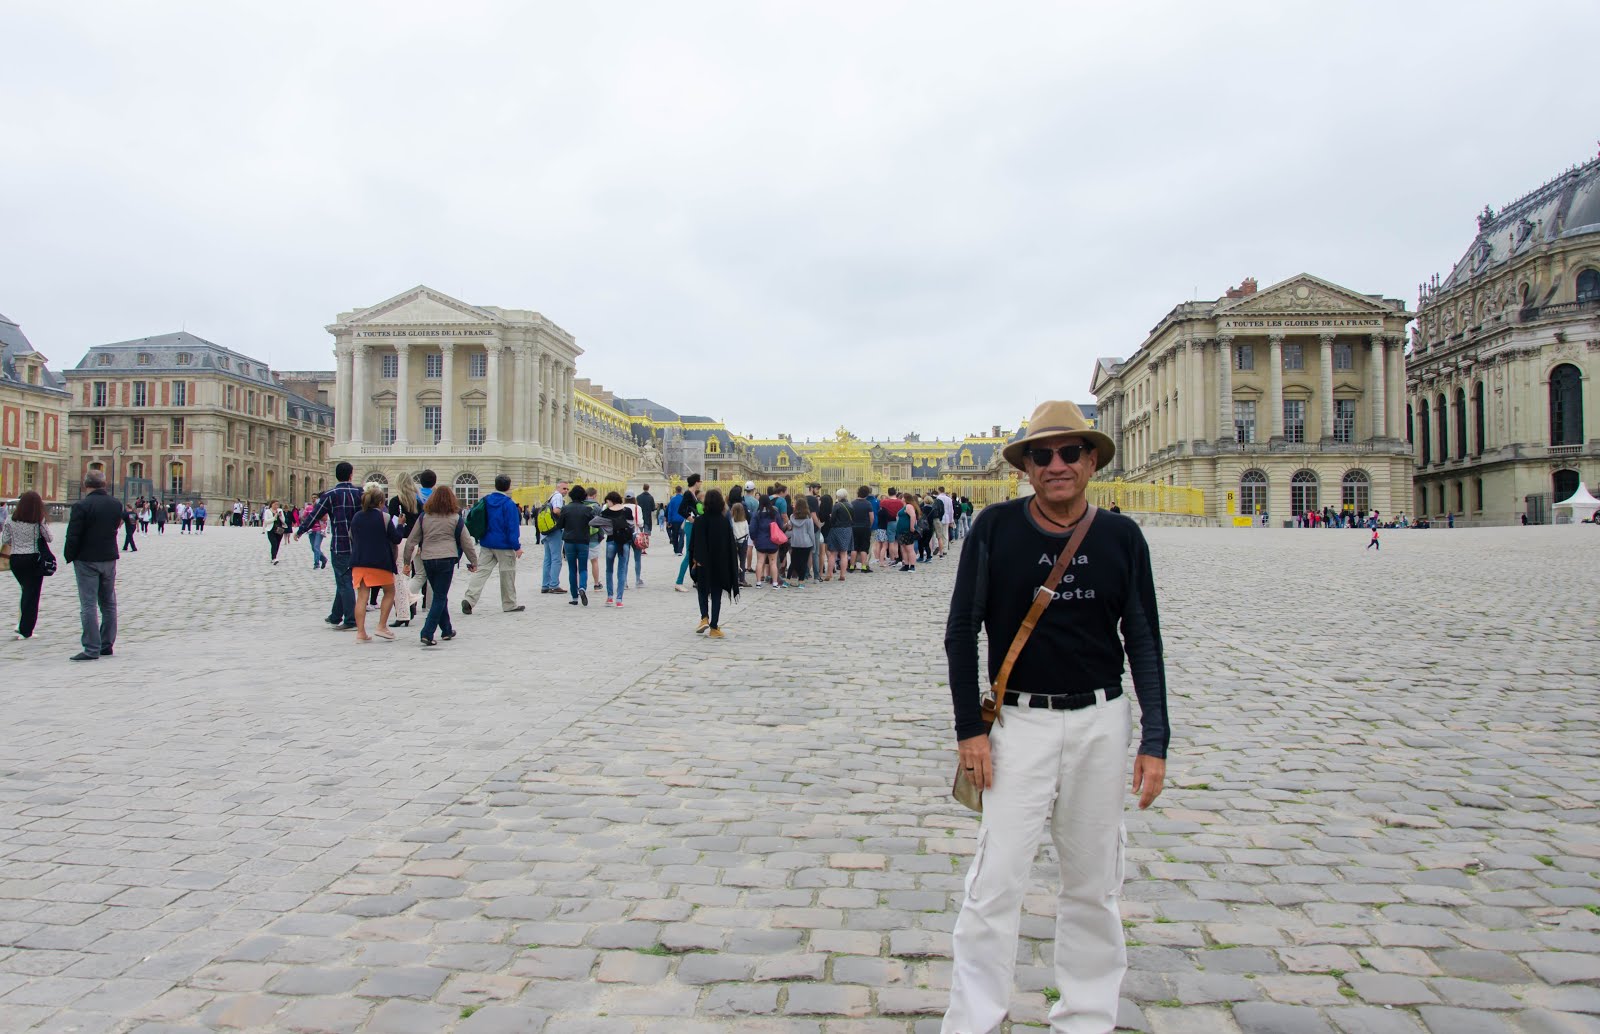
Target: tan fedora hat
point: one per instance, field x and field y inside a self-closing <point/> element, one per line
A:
<point x="1058" y="417"/>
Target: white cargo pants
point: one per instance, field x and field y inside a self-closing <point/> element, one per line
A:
<point x="1067" y="767"/>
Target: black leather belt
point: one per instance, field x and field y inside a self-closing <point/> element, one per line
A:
<point x="1060" y="701"/>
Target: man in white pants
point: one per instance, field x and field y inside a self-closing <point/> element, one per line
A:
<point x="1059" y="751"/>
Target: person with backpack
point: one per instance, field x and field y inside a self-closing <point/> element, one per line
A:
<point x="674" y="521"/>
<point x="548" y="522"/>
<point x="495" y="524"/>
<point x="439" y="539"/>
<point x="575" y="544"/>
<point x="617" y="526"/>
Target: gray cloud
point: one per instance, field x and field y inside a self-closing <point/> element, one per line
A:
<point x="898" y="216"/>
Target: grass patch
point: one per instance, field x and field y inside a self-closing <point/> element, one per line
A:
<point x="1544" y="859"/>
<point x="468" y="1010"/>
<point x="1347" y="990"/>
<point x="1051" y="995"/>
<point x="656" y="949"/>
<point x="1169" y="1003"/>
<point x="1593" y="908"/>
<point x="1221" y="946"/>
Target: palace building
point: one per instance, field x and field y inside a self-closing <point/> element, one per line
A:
<point x="34" y="403"/>
<point x="473" y="391"/>
<point x="1501" y="402"/>
<point x="1272" y="402"/>
<point x="178" y="417"/>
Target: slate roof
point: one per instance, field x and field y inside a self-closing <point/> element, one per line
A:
<point x="767" y="456"/>
<point x="14" y="343"/>
<point x="645" y="408"/>
<point x="209" y="357"/>
<point x="1565" y="206"/>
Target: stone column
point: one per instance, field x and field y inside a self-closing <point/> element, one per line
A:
<point x="519" y="389"/>
<point x="541" y="400"/>
<point x="343" y="407"/>
<point x="1225" y="428"/>
<point x="1325" y="386"/>
<point x="402" y="398"/>
<point x="1377" y="374"/>
<point x="361" y="397"/>
<point x="447" y="404"/>
<point x="1275" y="382"/>
<point x="1396" y="356"/>
<point x="495" y="388"/>
<point x="1182" y="369"/>
<point x="570" y="412"/>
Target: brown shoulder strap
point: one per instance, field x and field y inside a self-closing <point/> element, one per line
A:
<point x="1041" y="599"/>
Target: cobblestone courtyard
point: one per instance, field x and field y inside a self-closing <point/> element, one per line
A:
<point x="1383" y="811"/>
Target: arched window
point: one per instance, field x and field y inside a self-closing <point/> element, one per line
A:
<point x="783" y="459"/>
<point x="249" y="482"/>
<point x="1461" y="499"/>
<point x="1589" y="286"/>
<point x="1302" y="492"/>
<point x="1355" y="491"/>
<point x="145" y="359"/>
<point x="1461" y="423"/>
<point x="376" y="475"/>
<point x="1566" y="405"/>
<point x="1252" y="493"/>
<point x="467" y="489"/>
<point x="1564" y="485"/>
<point x="1439" y="494"/>
<point x="1422" y="499"/>
<point x="227" y="480"/>
<point x="713" y="446"/>
<point x="1411" y="424"/>
<point x="1477" y="495"/>
<point x="1478" y="424"/>
<point x="1442" y="415"/>
<point x="1422" y="431"/>
<point x="175" y="478"/>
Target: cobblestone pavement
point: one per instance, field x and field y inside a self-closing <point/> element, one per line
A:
<point x="1382" y="818"/>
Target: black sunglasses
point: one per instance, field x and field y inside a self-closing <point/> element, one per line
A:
<point x="1069" y="454"/>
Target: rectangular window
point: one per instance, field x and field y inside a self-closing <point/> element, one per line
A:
<point x="1244" y="421"/>
<point x="138" y="430"/>
<point x="177" y="431"/>
<point x="97" y="431"/>
<point x="391" y="367"/>
<point x="175" y="479"/>
<point x="1294" y="357"/>
<point x="32" y="431"/>
<point x="433" y="367"/>
<point x="478" y="364"/>
<point x="228" y="397"/>
<point x="30" y="476"/>
<point x="141" y="393"/>
<point x="432" y="421"/>
<point x="100" y="394"/>
<point x="1244" y="357"/>
<point x="387" y="430"/>
<point x="1294" y="420"/>
<point x="476" y="431"/>
<point x="250" y="402"/>
<point x="1344" y="420"/>
<point x="180" y="393"/>
<point x="1343" y="357"/>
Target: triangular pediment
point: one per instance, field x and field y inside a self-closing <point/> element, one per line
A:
<point x="1303" y="294"/>
<point x="385" y="397"/>
<point x="422" y="306"/>
<point x="475" y="395"/>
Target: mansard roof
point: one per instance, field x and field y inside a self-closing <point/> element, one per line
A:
<point x="1566" y="206"/>
<point x="14" y="344"/>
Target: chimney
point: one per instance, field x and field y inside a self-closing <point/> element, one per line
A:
<point x="994" y="432"/>
<point x="1246" y="287"/>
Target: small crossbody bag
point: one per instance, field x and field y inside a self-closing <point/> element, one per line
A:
<point x="963" y="789"/>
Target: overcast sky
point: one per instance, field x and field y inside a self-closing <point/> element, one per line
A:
<point x="896" y="216"/>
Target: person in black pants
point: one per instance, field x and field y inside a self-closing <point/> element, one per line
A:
<point x="130" y="522"/>
<point x="714" y="562"/>
<point x="28" y="536"/>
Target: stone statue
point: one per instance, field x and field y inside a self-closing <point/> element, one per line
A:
<point x="649" y="458"/>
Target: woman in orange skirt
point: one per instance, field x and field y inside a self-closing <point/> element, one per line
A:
<point x="373" y="537"/>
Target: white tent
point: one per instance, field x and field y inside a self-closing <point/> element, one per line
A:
<point x="1581" y="507"/>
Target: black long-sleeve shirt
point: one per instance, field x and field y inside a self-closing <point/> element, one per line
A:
<point x="1076" y="646"/>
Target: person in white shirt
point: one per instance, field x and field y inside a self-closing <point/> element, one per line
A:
<point x="941" y="527"/>
<point x="550" y="581"/>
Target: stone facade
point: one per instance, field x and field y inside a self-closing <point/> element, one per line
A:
<point x="34" y="402"/>
<point x="1271" y="401"/>
<point x="1501" y="402"/>
<point x="179" y="417"/>
<point x="468" y="391"/>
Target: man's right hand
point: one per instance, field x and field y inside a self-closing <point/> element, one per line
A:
<point x="976" y="760"/>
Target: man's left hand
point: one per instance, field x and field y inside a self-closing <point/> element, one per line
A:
<point x="1149" y="776"/>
